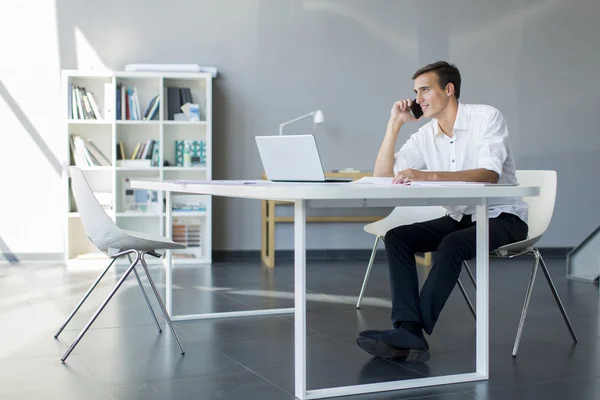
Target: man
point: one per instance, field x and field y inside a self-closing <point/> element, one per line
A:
<point x="462" y="142"/>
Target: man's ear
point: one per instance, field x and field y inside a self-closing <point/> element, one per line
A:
<point x="450" y="89"/>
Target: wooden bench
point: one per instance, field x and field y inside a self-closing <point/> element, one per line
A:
<point x="269" y="219"/>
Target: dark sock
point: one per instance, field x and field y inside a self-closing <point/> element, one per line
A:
<point x="413" y="327"/>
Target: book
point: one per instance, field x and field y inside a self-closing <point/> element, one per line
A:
<point x="70" y="101"/>
<point x="94" y="105"/>
<point x="150" y="107"/>
<point x="87" y="107"/>
<point x="119" y="103"/>
<point x="154" y="111"/>
<point x="121" y="151"/>
<point x="97" y="153"/>
<point x="135" y="151"/>
<point x="173" y="102"/>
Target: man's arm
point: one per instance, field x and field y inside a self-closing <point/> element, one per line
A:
<point x="469" y="175"/>
<point x="384" y="163"/>
<point x="400" y="114"/>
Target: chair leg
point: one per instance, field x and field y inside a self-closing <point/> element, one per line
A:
<point x="137" y="277"/>
<point x="464" y="293"/>
<point x="556" y="297"/>
<point x="84" y="299"/>
<point x="470" y="274"/>
<point x="104" y="303"/>
<point x="160" y="303"/>
<point x="371" y="260"/>
<point x="536" y="262"/>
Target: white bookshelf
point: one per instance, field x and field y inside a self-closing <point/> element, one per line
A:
<point x="109" y="131"/>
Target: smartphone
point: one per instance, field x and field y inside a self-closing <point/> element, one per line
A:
<point x="415" y="109"/>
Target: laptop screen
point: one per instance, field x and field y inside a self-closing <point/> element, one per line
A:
<point x="290" y="158"/>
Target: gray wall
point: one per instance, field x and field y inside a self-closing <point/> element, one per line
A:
<point x="535" y="60"/>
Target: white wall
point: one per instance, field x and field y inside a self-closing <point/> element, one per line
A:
<point x="31" y="139"/>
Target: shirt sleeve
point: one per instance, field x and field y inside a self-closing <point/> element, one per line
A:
<point x="493" y="143"/>
<point x="409" y="156"/>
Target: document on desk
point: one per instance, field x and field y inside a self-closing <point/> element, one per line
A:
<point x="388" y="181"/>
<point x="250" y="182"/>
<point x="373" y="180"/>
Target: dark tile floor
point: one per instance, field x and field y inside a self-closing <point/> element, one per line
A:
<point x="124" y="357"/>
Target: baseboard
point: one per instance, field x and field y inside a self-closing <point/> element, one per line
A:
<point x="338" y="254"/>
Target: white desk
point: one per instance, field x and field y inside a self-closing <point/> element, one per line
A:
<point x="353" y="195"/>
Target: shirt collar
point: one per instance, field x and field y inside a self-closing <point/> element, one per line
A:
<point x="459" y="124"/>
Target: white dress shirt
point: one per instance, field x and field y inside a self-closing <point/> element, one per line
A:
<point x="480" y="140"/>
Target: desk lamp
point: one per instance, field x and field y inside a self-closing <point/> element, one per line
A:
<point x="317" y="119"/>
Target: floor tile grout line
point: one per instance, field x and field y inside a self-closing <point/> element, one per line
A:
<point x="252" y="371"/>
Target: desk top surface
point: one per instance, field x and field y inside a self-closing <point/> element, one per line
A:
<point x="266" y="190"/>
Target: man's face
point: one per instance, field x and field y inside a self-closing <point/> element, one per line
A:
<point x="430" y="96"/>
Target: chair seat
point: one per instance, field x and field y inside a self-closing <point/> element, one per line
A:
<point x="404" y="216"/>
<point x="516" y="247"/>
<point x="146" y="242"/>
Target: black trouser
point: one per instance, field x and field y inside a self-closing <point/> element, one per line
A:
<point x="452" y="242"/>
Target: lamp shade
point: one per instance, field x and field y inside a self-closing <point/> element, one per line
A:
<point x="318" y="117"/>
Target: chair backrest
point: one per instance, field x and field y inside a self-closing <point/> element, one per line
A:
<point x="96" y="223"/>
<point x="541" y="207"/>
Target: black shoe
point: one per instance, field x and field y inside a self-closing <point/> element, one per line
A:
<point x="394" y="344"/>
<point x="400" y="338"/>
<point x="389" y="352"/>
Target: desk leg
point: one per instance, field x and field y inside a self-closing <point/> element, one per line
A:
<point x="271" y="233"/>
<point x="169" y="271"/>
<point x="264" y="236"/>
<point x="482" y="294"/>
<point x="268" y="233"/>
<point x="300" y="298"/>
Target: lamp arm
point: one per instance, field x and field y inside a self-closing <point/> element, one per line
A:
<point x="310" y="114"/>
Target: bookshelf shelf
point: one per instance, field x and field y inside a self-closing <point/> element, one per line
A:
<point x="138" y="215"/>
<point x="184" y="169"/>
<point x="189" y="213"/>
<point x="96" y="168"/>
<point x="88" y="122"/>
<point x="139" y="122"/>
<point x="184" y="122"/>
<point x="88" y="95"/>
<point x="137" y="169"/>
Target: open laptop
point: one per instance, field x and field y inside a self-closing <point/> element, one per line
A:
<point x="292" y="159"/>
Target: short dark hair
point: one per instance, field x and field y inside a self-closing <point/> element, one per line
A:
<point x="446" y="72"/>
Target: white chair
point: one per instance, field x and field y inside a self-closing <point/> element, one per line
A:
<point x="541" y="209"/>
<point x="107" y="237"/>
<point x="403" y="216"/>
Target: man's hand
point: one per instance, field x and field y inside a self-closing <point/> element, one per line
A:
<point x="409" y="175"/>
<point x="401" y="111"/>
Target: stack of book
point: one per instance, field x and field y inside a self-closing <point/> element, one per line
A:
<point x="144" y="154"/>
<point x="128" y="105"/>
<point x="86" y="154"/>
<point x="82" y="104"/>
<point x="176" y="97"/>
